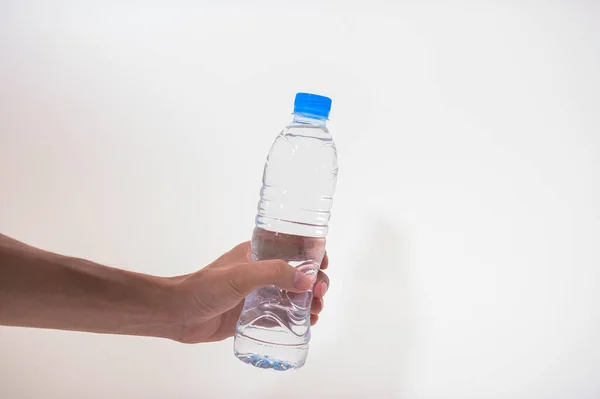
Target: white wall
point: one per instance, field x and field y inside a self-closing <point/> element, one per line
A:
<point x="464" y="243"/>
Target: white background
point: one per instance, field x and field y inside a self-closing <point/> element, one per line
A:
<point x="465" y="237"/>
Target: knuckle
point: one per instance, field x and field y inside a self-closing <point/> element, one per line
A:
<point x="236" y="280"/>
<point x="281" y="266"/>
<point x="276" y="269"/>
<point x="285" y="268"/>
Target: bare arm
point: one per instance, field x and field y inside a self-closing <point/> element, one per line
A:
<point x="46" y="290"/>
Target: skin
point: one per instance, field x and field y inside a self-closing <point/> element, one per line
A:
<point x="45" y="290"/>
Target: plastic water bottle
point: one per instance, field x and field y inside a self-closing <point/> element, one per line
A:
<point x="299" y="179"/>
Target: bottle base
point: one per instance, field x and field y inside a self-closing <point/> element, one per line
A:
<point x="265" y="355"/>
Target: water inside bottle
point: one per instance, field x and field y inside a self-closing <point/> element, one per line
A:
<point x="275" y="321"/>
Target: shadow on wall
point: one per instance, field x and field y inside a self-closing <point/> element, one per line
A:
<point x="370" y="353"/>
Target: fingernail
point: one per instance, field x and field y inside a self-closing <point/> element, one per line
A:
<point x="302" y="281"/>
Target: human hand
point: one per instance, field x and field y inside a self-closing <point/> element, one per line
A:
<point x="213" y="297"/>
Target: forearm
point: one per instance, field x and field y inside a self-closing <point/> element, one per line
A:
<point x="46" y="290"/>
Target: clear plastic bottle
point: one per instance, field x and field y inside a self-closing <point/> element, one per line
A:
<point x="299" y="179"/>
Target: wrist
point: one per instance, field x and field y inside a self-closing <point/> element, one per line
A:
<point x="163" y="308"/>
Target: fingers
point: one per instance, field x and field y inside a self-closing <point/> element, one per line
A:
<point x="237" y="254"/>
<point x="316" y="306"/>
<point x="321" y="285"/>
<point x="240" y="251"/>
<point x="242" y="247"/>
<point x="248" y="277"/>
<point x="313" y="319"/>
<point x="325" y="262"/>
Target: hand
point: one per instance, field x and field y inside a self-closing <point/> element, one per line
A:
<point x="213" y="297"/>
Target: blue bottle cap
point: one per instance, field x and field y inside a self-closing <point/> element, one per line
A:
<point x="312" y="105"/>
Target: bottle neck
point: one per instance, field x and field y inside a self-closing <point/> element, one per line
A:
<point x="305" y="119"/>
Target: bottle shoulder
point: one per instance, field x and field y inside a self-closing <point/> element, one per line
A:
<point x="296" y="140"/>
<point x="307" y="132"/>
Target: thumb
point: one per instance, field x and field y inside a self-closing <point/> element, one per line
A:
<point x="253" y="275"/>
